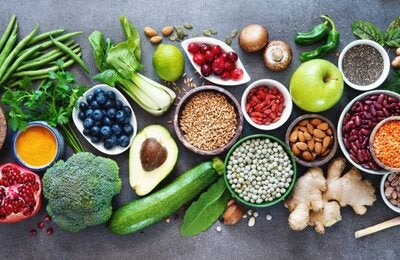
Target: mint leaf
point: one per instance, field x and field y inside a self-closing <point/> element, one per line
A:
<point x="393" y="38"/>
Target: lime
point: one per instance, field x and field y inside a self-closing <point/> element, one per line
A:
<point x="168" y="62"/>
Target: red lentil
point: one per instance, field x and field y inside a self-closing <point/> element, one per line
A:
<point x="386" y="144"/>
<point x="265" y="105"/>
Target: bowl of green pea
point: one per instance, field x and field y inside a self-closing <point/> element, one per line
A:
<point x="260" y="170"/>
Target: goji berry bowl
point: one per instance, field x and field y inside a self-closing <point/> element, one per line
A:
<point x="384" y="143"/>
<point x="266" y="104"/>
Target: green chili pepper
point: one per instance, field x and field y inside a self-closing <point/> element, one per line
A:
<point x="331" y="44"/>
<point x="317" y="33"/>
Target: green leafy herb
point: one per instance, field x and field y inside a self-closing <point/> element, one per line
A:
<point x="52" y="101"/>
<point x="395" y="24"/>
<point x="393" y="38"/>
<point x="393" y="83"/>
<point x="367" y="30"/>
<point x="206" y="210"/>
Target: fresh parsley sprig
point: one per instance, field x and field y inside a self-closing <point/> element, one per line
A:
<point x="52" y="101"/>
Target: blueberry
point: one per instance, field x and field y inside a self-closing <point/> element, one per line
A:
<point x="89" y="113"/>
<point x="111" y="113"/>
<point x="95" y="130"/>
<point x="118" y="104"/>
<point x="107" y="121"/>
<point x="116" y="129"/>
<point x="94" y="104"/>
<point x="109" y="104"/>
<point x="105" y="131"/>
<point x="97" y="115"/>
<point x="101" y="99"/>
<point x="127" y="110"/>
<point x="86" y="132"/>
<point x="98" y="91"/>
<point x="120" y="116"/>
<point x="123" y="141"/>
<point x="82" y="106"/>
<point x="89" y="98"/>
<point x="128" y="129"/>
<point x="81" y="115"/>
<point x="110" y="95"/>
<point x="95" y="139"/>
<point x="88" y="123"/>
<point x="110" y="142"/>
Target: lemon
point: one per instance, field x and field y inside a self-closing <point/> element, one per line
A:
<point x="168" y="62"/>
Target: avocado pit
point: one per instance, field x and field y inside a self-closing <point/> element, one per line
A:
<point x="152" y="154"/>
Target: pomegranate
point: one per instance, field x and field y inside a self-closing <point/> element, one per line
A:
<point x="20" y="193"/>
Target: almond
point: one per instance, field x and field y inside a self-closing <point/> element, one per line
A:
<point x="311" y="144"/>
<point x="315" y="121"/>
<point x="302" y="146"/>
<point x="307" y="136"/>
<point x="327" y="141"/>
<point x="301" y="137"/>
<point x="149" y="31"/>
<point x="295" y="150"/>
<point x="303" y="122"/>
<point x="329" y="132"/>
<point x="156" y="39"/>
<point x="307" y="156"/>
<point x="293" y="136"/>
<point x="310" y="128"/>
<point x="167" y="30"/>
<point x="323" y="126"/>
<point x="318" y="133"/>
<point x="317" y="148"/>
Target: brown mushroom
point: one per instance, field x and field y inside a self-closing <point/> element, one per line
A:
<point x="253" y="37"/>
<point x="277" y="55"/>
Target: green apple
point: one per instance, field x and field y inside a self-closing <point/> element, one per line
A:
<point x="316" y="85"/>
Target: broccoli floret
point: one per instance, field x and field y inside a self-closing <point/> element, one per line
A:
<point x="79" y="191"/>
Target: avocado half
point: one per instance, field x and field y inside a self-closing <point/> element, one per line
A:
<point x="152" y="156"/>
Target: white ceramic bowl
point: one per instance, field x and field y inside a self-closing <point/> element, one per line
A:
<point x="213" y="78"/>
<point x="386" y="64"/>
<point x="382" y="191"/>
<point x="286" y="111"/>
<point x="340" y="134"/>
<point x="79" y="124"/>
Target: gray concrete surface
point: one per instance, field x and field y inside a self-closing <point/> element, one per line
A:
<point x="267" y="239"/>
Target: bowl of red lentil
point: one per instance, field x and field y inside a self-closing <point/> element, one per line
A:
<point x="384" y="143"/>
<point x="365" y="64"/>
<point x="208" y="120"/>
<point x="390" y="190"/>
<point x="266" y="104"/>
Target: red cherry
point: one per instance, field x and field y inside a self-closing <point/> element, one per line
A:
<point x="199" y="58"/>
<point x="225" y="75"/>
<point x="216" y="49"/>
<point x="229" y="66"/>
<point x="206" y="70"/>
<point x="205" y="47"/>
<point x="209" y="56"/>
<point x="193" y="48"/>
<point x="223" y="55"/>
<point x="237" y="74"/>
<point x="218" y="66"/>
<point x="231" y="57"/>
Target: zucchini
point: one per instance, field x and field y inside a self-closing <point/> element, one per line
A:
<point x="143" y="212"/>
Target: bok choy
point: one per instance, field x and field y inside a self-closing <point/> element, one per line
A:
<point x="119" y="64"/>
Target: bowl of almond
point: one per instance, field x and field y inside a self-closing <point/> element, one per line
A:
<point x="312" y="139"/>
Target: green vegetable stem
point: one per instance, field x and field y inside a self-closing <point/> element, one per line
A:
<point x="7" y="32"/>
<point x="317" y="33"/>
<point x="331" y="44"/>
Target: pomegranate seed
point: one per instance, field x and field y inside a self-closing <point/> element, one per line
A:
<point x="193" y="48"/>
<point x="231" y="57"/>
<point x="40" y="224"/>
<point x="237" y="74"/>
<point x="199" y="58"/>
<point x="49" y="231"/>
<point x="216" y="49"/>
<point x="32" y="232"/>
<point x="206" y="70"/>
<point x="225" y="75"/>
<point x="47" y="218"/>
<point x="205" y="47"/>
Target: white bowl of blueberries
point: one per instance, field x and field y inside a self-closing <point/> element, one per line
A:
<point x="105" y="119"/>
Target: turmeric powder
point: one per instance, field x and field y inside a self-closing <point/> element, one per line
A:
<point x="36" y="146"/>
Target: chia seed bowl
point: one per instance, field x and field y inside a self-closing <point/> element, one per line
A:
<point x="260" y="170"/>
<point x="364" y="64"/>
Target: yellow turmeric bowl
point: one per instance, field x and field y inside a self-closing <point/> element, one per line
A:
<point x="38" y="146"/>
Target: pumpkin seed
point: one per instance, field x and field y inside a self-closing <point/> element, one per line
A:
<point x="206" y="32"/>
<point x="187" y="25"/>
<point x="213" y="31"/>
<point x="234" y="33"/>
<point x="172" y="37"/>
<point x="228" y="40"/>
<point x="180" y="33"/>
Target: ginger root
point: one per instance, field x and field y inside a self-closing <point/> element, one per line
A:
<point x="316" y="201"/>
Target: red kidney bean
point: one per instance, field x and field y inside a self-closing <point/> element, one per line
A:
<point x="392" y="99"/>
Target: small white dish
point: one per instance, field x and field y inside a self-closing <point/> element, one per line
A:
<point x="382" y="191"/>
<point x="386" y="64"/>
<point x="79" y="124"/>
<point x="213" y="78"/>
<point x="287" y="110"/>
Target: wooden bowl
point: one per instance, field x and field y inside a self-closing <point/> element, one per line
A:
<point x="178" y="113"/>
<point x="3" y="128"/>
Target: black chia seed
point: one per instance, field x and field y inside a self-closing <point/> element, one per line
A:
<point x="362" y="65"/>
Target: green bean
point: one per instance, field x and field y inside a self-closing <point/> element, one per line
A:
<point x="44" y="61"/>
<point x="33" y="73"/>
<point x="7" y="32"/>
<point x="15" y="51"/>
<point x="19" y="82"/>
<point x="45" y="35"/>
<point x="9" y="45"/>
<point x="52" y="52"/>
<point x="71" y="54"/>
<point x="47" y="44"/>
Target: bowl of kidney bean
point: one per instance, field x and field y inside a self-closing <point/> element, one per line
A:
<point x="357" y="122"/>
<point x="390" y="190"/>
<point x="266" y="104"/>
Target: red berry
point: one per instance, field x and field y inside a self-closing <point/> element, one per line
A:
<point x="32" y="232"/>
<point x="49" y="231"/>
<point x="237" y="74"/>
<point x="47" y="218"/>
<point x="209" y="56"/>
<point x="231" y="57"/>
<point x="217" y="67"/>
<point x="40" y="224"/>
<point x="193" y="48"/>
<point x="223" y="55"/>
<point x="205" y="47"/>
<point x="216" y="49"/>
<point x="225" y="75"/>
<point x="206" y="70"/>
<point x="199" y="58"/>
<point x="229" y="66"/>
